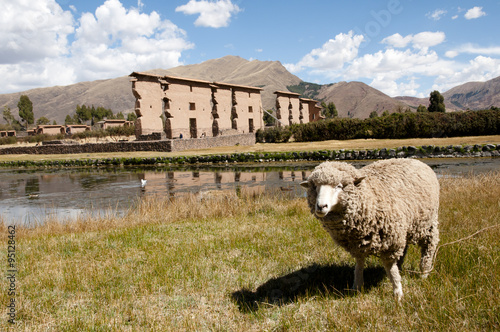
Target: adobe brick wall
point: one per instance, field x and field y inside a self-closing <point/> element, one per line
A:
<point x="163" y="145"/>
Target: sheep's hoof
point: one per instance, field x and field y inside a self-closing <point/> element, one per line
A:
<point x="398" y="294"/>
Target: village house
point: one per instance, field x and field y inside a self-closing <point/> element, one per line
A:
<point x="49" y="129"/>
<point x="109" y="123"/>
<point x="7" y="133"/>
<point x="74" y="129"/>
<point x="194" y="108"/>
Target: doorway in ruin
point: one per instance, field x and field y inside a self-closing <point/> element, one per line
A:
<point x="250" y="126"/>
<point x="215" y="128"/>
<point x="168" y="128"/>
<point x="193" y="131"/>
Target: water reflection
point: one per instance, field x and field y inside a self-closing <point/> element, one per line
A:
<point x="33" y="195"/>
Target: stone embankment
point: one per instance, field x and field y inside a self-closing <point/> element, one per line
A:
<point x="456" y="151"/>
<point x="172" y="145"/>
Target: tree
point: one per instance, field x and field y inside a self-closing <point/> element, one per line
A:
<point x="373" y="114"/>
<point x="436" y="102"/>
<point x="131" y="116"/>
<point x="7" y="115"/>
<point x="100" y="113"/>
<point x="83" y="113"/>
<point x="329" y="111"/>
<point x="421" y="109"/>
<point x="268" y="119"/>
<point x="26" y="110"/>
<point x="120" y="115"/>
<point x="68" y="120"/>
<point x="43" y="121"/>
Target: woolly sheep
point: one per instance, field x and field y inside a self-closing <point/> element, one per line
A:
<point x="378" y="210"/>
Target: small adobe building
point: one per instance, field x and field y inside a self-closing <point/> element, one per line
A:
<point x="181" y="107"/>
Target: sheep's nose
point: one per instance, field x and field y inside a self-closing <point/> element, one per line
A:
<point x="321" y="207"/>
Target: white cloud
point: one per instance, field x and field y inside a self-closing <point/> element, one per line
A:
<point x="422" y="40"/>
<point x="45" y="46"/>
<point x="454" y="17"/>
<point x="212" y="14"/>
<point x="33" y="30"/>
<point x="116" y="40"/>
<point x="396" y="40"/>
<point x="332" y="55"/>
<point x="436" y="15"/>
<point x="474" y="13"/>
<point x="428" y="39"/>
<point x="479" y="69"/>
<point x="451" y="54"/>
<point x="473" y="49"/>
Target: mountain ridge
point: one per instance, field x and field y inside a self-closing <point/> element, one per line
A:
<point x="352" y="99"/>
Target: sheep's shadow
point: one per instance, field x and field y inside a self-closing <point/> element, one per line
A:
<point x="334" y="280"/>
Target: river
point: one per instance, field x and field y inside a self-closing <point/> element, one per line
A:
<point x="32" y="196"/>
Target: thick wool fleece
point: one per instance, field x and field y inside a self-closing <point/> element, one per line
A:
<point x="396" y="203"/>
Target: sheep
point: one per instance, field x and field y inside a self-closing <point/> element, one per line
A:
<point x="378" y="210"/>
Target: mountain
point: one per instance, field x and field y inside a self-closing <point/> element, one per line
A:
<point x="352" y="99"/>
<point x="116" y="94"/>
<point x="357" y="99"/>
<point x="471" y="95"/>
<point x="474" y="95"/>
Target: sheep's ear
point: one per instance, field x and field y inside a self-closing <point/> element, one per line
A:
<point x="357" y="181"/>
<point x="304" y="184"/>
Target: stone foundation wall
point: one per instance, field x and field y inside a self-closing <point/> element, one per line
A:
<point x="163" y="145"/>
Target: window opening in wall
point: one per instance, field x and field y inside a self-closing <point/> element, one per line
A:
<point x="190" y="88"/>
<point x="166" y="104"/>
<point x="192" y="106"/>
<point x="250" y="109"/>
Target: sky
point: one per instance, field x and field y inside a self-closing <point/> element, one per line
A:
<point x="400" y="47"/>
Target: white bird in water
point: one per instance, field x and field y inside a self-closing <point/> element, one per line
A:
<point x="143" y="182"/>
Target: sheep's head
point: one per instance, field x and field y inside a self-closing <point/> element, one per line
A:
<point x="327" y="184"/>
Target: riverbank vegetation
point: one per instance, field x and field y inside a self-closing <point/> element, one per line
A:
<point x="251" y="263"/>
<point x="393" y="126"/>
<point x="15" y="160"/>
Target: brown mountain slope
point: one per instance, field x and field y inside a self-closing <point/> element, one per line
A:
<point x="471" y="95"/>
<point x="474" y="95"/>
<point x="57" y="102"/>
<point x="356" y="99"/>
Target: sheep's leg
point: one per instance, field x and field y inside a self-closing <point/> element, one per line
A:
<point x="358" y="273"/>
<point x="428" y="249"/>
<point x="391" y="268"/>
<point x="402" y="258"/>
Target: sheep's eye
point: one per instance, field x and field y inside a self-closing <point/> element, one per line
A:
<point x="340" y="186"/>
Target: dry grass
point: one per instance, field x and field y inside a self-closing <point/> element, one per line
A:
<point x="294" y="146"/>
<point x="251" y="264"/>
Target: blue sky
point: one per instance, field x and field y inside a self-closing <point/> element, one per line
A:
<point x="401" y="47"/>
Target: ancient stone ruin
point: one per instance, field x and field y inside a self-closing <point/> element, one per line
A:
<point x="169" y="107"/>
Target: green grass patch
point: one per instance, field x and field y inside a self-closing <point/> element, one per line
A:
<point x="251" y="263"/>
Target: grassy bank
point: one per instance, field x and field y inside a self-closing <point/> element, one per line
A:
<point x="250" y="264"/>
<point x="358" y="144"/>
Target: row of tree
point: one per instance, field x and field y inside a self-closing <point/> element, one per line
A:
<point x="395" y="125"/>
<point x="83" y="114"/>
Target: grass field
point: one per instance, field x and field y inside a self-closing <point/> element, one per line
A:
<point x="358" y="144"/>
<point x="250" y="264"/>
